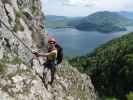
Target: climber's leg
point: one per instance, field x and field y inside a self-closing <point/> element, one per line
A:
<point x="45" y="72"/>
<point x="52" y="75"/>
<point x="52" y="69"/>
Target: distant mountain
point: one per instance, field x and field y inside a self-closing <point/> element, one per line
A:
<point x="126" y="14"/>
<point x="54" y="17"/>
<point x="103" y="22"/>
<point x="53" y="21"/>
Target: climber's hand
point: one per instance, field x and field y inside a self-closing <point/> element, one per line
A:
<point x="36" y="54"/>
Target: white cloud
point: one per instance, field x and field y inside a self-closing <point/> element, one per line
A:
<point x="115" y="5"/>
<point x="79" y="2"/>
<point x="102" y="4"/>
<point x="84" y="7"/>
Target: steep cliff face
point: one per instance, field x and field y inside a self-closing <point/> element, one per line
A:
<point x="25" y="18"/>
<point x="19" y="81"/>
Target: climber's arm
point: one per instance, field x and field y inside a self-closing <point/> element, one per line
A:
<point x="45" y="54"/>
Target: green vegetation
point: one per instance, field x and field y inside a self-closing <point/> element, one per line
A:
<point x="2" y="67"/>
<point x="109" y="98"/>
<point x="16" y="60"/>
<point x="34" y="8"/>
<point x="19" y="14"/>
<point x="103" y="22"/>
<point x="105" y="27"/>
<point x="110" y="67"/>
<point x="130" y="96"/>
<point x="78" y="91"/>
<point x="5" y="60"/>
<point x="18" y="25"/>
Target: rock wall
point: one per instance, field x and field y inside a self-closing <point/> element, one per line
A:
<point x="18" y="81"/>
<point x="24" y="17"/>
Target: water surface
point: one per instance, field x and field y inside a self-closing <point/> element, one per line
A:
<point x="76" y="42"/>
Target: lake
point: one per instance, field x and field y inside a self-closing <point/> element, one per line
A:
<point x="76" y="42"/>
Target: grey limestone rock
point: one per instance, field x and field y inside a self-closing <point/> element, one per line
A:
<point x="18" y="80"/>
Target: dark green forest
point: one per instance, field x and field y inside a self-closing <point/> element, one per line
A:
<point x="110" y="67"/>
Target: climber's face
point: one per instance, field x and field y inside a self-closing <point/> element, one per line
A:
<point x="51" y="44"/>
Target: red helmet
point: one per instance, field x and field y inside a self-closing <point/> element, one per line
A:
<point x="51" y="40"/>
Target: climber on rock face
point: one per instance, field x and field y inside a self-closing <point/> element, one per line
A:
<point x="51" y="58"/>
<point x="54" y="57"/>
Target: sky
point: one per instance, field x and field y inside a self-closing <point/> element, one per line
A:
<point x="77" y="8"/>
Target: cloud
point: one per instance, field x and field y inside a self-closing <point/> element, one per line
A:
<point x="115" y="5"/>
<point x="84" y="7"/>
<point x="101" y="4"/>
<point x="79" y="2"/>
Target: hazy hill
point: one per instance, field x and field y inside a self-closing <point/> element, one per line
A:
<point x="54" y="17"/>
<point x="126" y="14"/>
<point x="102" y="21"/>
<point x="53" y="21"/>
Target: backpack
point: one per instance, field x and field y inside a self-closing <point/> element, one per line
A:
<point x="59" y="53"/>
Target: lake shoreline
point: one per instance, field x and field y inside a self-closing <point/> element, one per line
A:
<point x="77" y="43"/>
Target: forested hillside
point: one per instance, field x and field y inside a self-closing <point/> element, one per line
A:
<point x="110" y="67"/>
